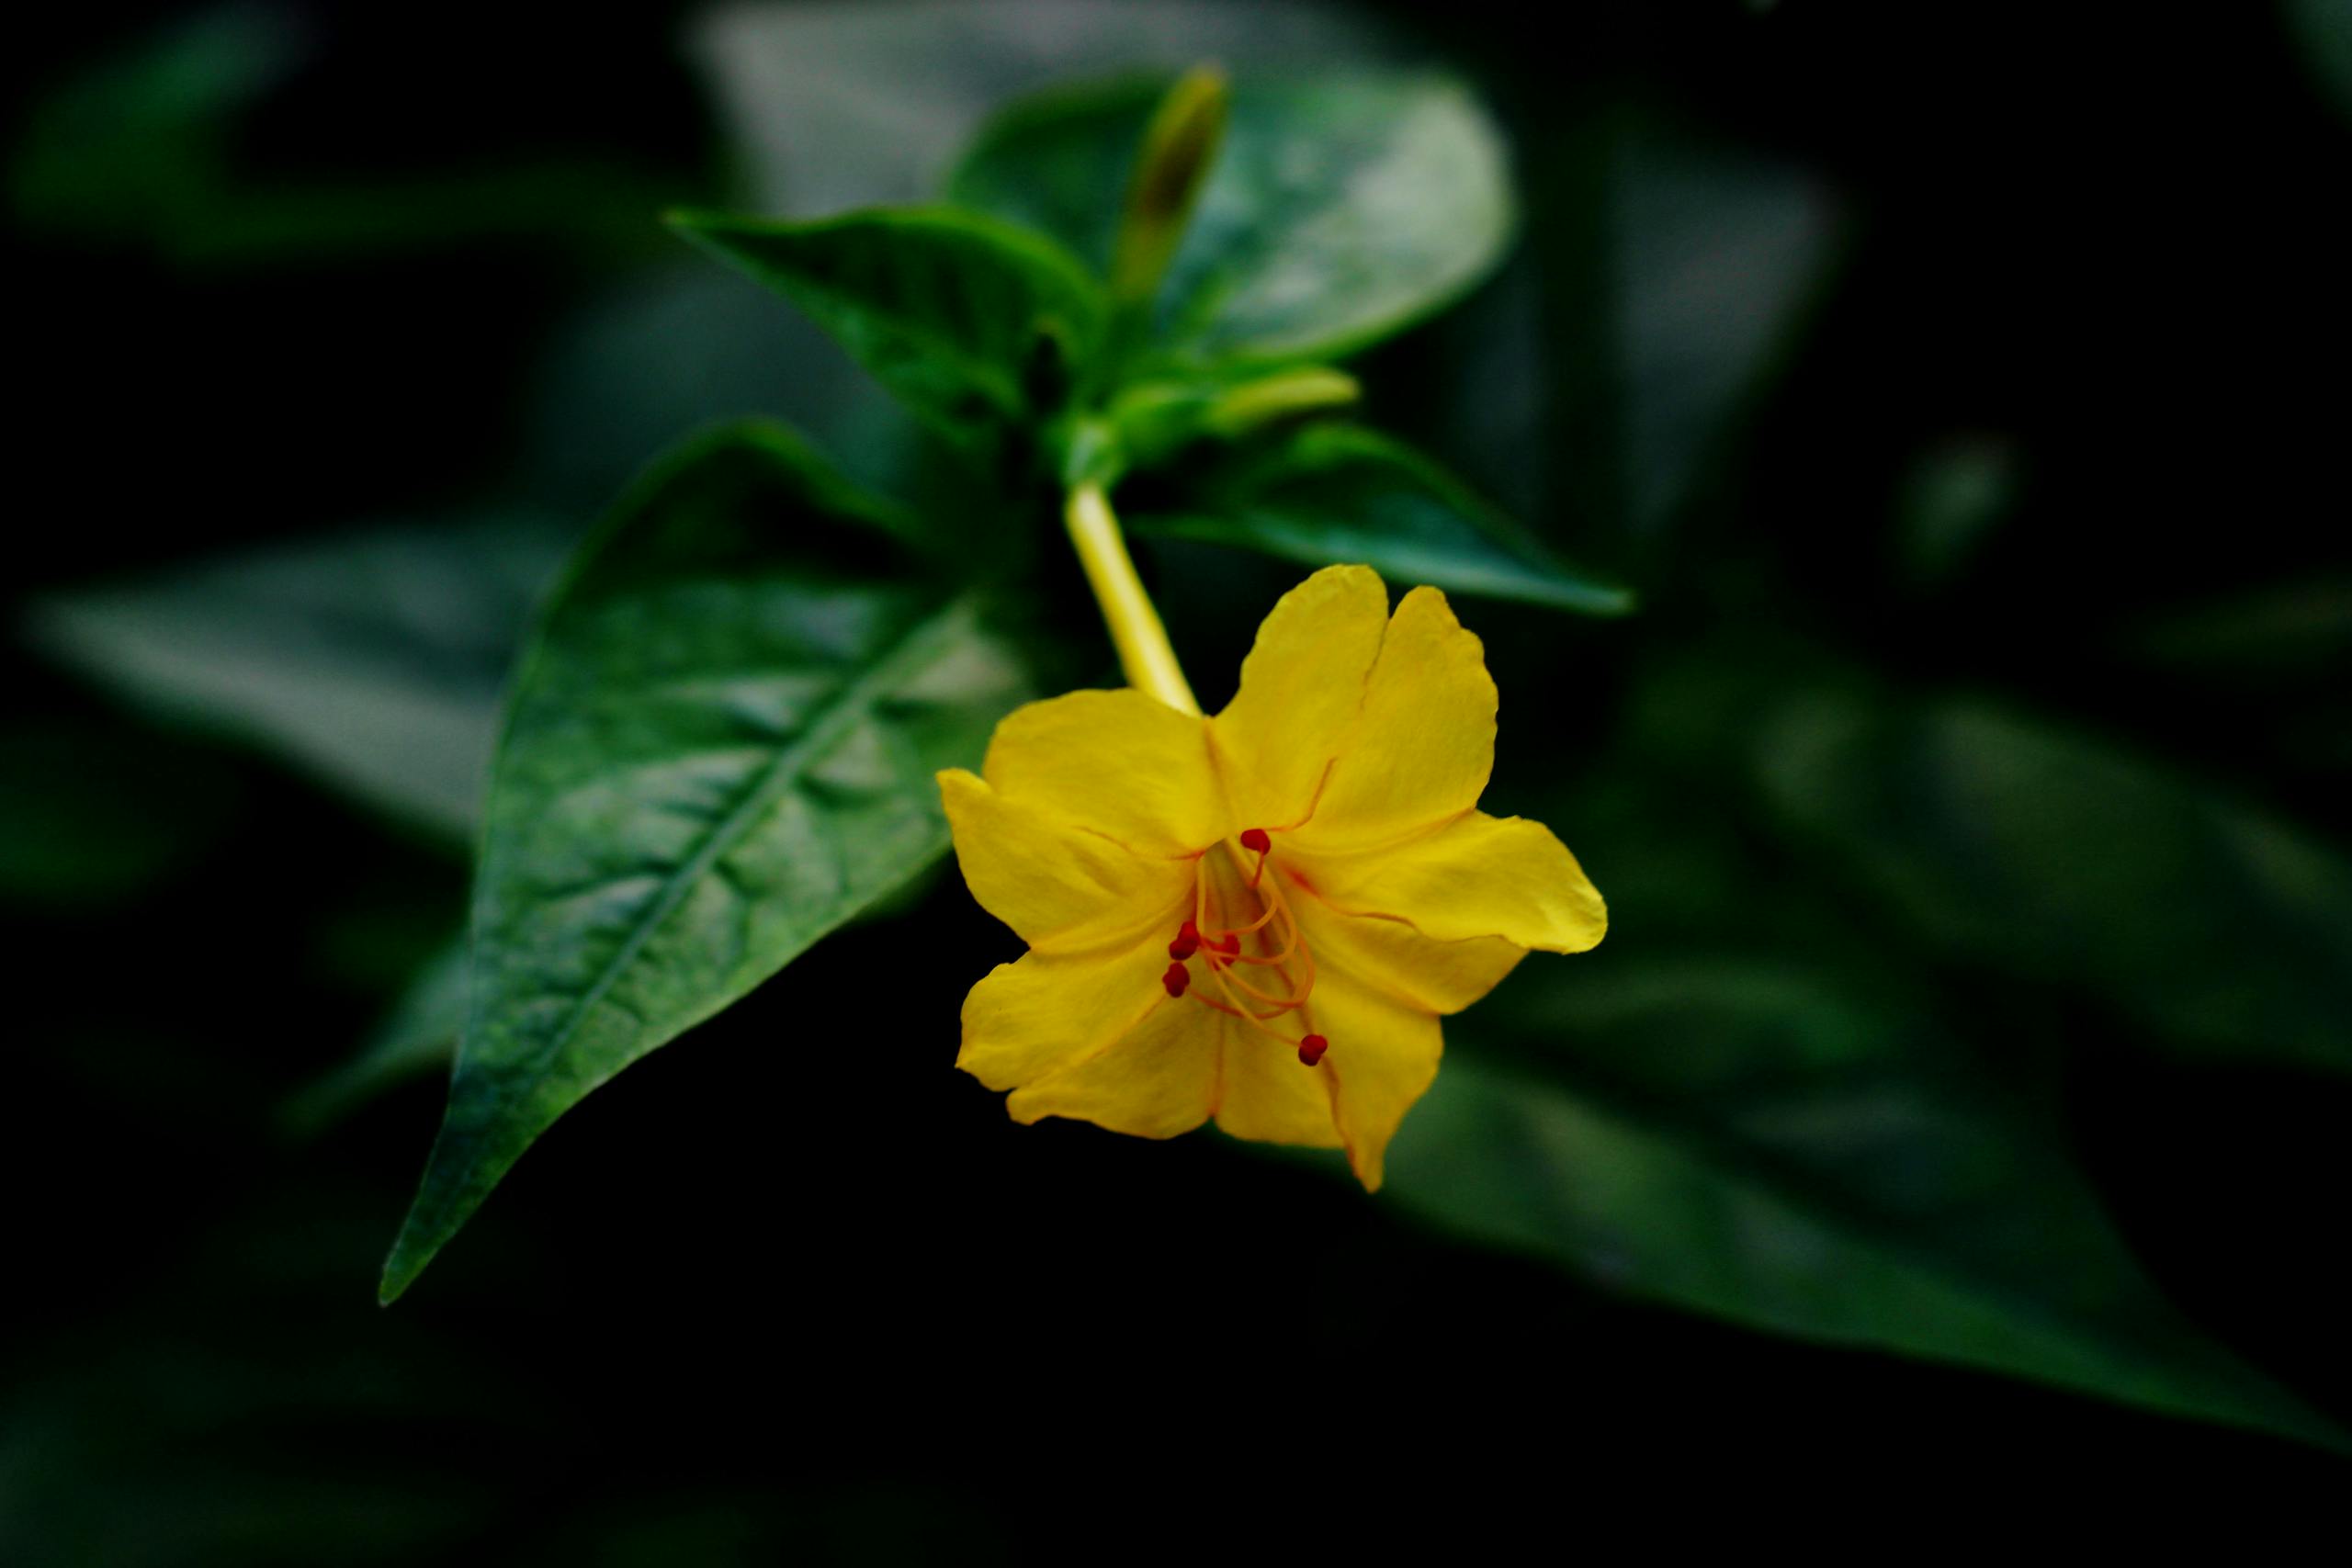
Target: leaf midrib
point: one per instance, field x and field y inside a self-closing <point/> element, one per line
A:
<point x="855" y="699"/>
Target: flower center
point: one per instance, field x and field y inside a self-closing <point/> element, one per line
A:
<point x="1230" y="886"/>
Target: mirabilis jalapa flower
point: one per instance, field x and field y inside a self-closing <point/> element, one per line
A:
<point x="1258" y="918"/>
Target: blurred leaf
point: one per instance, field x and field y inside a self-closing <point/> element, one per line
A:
<point x="682" y="348"/>
<point x="2045" y="855"/>
<point x="89" y="815"/>
<point x="140" y="150"/>
<point x="1340" y="211"/>
<point x="2324" y="27"/>
<point x="2299" y="627"/>
<point x="138" y="143"/>
<point x="948" y="310"/>
<point x="420" y="1036"/>
<point x="1683" y="272"/>
<point x="1952" y="498"/>
<point x="1756" y="1141"/>
<point x="720" y="747"/>
<point x="857" y="104"/>
<point x="374" y="659"/>
<point x="1338" y="492"/>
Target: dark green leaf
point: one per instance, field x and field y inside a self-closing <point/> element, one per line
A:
<point x="1341" y="210"/>
<point x="2324" y="29"/>
<point x="1681" y="272"/>
<point x="144" y="149"/>
<point x="92" y="813"/>
<point x="1954" y="496"/>
<point x="829" y="107"/>
<point x="419" y="1037"/>
<point x="720" y="747"/>
<point x="2009" y="844"/>
<point x="1337" y="493"/>
<point x="1764" y="1142"/>
<point x="684" y="347"/>
<point x="374" y="659"/>
<point x="949" y="309"/>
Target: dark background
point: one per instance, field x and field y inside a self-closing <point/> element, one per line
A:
<point x="796" y="1288"/>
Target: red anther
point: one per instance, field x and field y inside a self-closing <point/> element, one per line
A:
<point x="1187" y="942"/>
<point x="1176" y="979"/>
<point x="1311" y="1049"/>
<point x="1227" y="944"/>
<point x="1254" y="839"/>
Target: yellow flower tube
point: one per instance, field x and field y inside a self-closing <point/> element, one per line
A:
<point x="1145" y="655"/>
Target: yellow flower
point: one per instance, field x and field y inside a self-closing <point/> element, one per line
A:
<point x="1259" y="917"/>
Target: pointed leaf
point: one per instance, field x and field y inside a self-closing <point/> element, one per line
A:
<point x="1682" y="271"/>
<point x="1764" y="1142"/>
<point x="720" y="747"/>
<point x="374" y="659"/>
<point x="1337" y="493"/>
<point x="950" y="310"/>
<point x="2007" y="844"/>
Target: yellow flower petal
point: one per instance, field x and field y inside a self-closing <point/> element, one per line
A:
<point x="1301" y="688"/>
<point x="1383" y="1057"/>
<point x="1049" y="1011"/>
<point x="1156" y="1078"/>
<point x="1424" y="743"/>
<point x="1055" y="885"/>
<point x="1435" y="975"/>
<point x="1477" y="876"/>
<point x="1269" y="1096"/>
<point x="1395" y="903"/>
<point x="1115" y="763"/>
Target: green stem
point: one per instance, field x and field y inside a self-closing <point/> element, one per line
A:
<point x="1143" y="653"/>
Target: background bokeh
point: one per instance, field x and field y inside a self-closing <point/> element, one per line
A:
<point x="1964" y="391"/>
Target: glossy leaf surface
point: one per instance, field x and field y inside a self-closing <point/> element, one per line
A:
<point x="949" y="310"/>
<point x="720" y="747"/>
<point x="1341" y="209"/>
<point x="1338" y="492"/>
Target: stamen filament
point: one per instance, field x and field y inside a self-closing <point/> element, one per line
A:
<point x="1219" y="950"/>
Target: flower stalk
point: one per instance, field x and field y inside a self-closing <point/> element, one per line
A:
<point x="1136" y="630"/>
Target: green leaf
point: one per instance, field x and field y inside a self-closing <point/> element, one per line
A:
<point x="373" y="660"/>
<point x="91" y="814"/>
<point x="145" y="149"/>
<point x="950" y="310"/>
<point x="1681" y="272"/>
<point x="1338" y="492"/>
<point x="2323" y="31"/>
<point x="829" y="107"/>
<point x="1343" y="210"/>
<point x="720" y="746"/>
<point x="1763" y="1142"/>
<point x="2010" y="845"/>
<point x="684" y="347"/>
<point x="418" y="1037"/>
